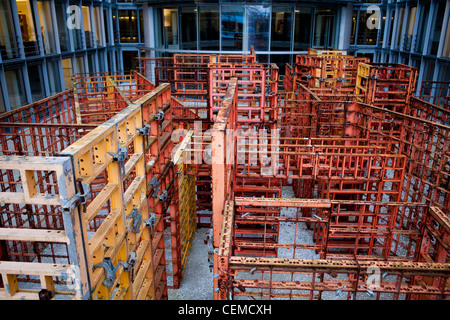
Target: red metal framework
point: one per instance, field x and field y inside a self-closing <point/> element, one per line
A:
<point x="435" y="92"/>
<point x="372" y="185"/>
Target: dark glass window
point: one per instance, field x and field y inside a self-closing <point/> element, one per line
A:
<point x="232" y="27"/>
<point x="36" y="82"/>
<point x="280" y="60"/>
<point x="128" y="26"/>
<point x="303" y="27"/>
<point x="170" y="28"/>
<point x="258" y="27"/>
<point x="129" y="60"/>
<point x="16" y="89"/>
<point x="188" y="22"/>
<point x="354" y="24"/>
<point x="435" y="35"/>
<point x="366" y="36"/>
<point x="53" y="77"/>
<point x="323" y="28"/>
<point x="106" y="25"/>
<point x="281" y="29"/>
<point x="9" y="46"/>
<point x="63" y="32"/>
<point x="209" y="28"/>
<point x="391" y="27"/>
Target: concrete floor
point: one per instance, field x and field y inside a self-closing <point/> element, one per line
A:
<point x="197" y="280"/>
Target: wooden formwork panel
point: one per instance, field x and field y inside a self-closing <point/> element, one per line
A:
<point x="68" y="279"/>
<point x="120" y="251"/>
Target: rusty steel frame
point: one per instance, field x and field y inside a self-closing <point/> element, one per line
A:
<point x="390" y="140"/>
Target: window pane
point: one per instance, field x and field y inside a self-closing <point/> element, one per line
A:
<point x="436" y="29"/>
<point x="53" y="77"/>
<point x="281" y="29"/>
<point x="141" y="26"/>
<point x="62" y="27"/>
<point x="366" y="36"/>
<point x="98" y="27"/>
<point x="36" y="82"/>
<point x="446" y="51"/>
<point x="8" y="38"/>
<point x="399" y="27"/>
<point x="302" y="32"/>
<point x="27" y="28"/>
<point x="280" y="60"/>
<point x="67" y="72"/>
<point x="324" y="27"/>
<point x="423" y="21"/>
<point x="129" y="60"/>
<point x="79" y="64"/>
<point x="45" y="18"/>
<point x="2" y="103"/>
<point x="89" y="35"/>
<point x="258" y="27"/>
<point x="106" y="24"/>
<point x="188" y="21"/>
<point x="16" y="89"/>
<point x="410" y="29"/>
<point x="209" y="28"/>
<point x="128" y="26"/>
<point x="232" y="27"/>
<point x="354" y="23"/>
<point x="170" y="28"/>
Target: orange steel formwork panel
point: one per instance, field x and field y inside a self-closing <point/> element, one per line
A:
<point x="372" y="187"/>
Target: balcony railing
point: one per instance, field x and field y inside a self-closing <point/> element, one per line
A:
<point x="31" y="45"/>
<point x="9" y="47"/>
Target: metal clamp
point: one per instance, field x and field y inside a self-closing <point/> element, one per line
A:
<point x="150" y="222"/>
<point x="163" y="196"/>
<point x="81" y="197"/>
<point x="110" y="270"/>
<point x="155" y="184"/>
<point x="159" y="116"/>
<point x="145" y="130"/>
<point x="120" y="157"/>
<point x="137" y="220"/>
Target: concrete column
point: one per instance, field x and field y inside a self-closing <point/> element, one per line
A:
<point x="149" y="29"/>
<point x="345" y="27"/>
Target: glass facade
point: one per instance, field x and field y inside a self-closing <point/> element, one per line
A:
<point x="232" y="28"/>
<point x="188" y="23"/>
<point x="303" y="29"/>
<point x="39" y="52"/>
<point x="281" y="30"/>
<point x="258" y="23"/>
<point x="209" y="29"/>
<point x="237" y="27"/>
<point x="128" y="26"/>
